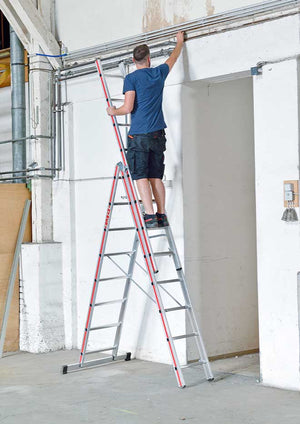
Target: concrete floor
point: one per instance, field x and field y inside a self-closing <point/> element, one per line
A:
<point x="32" y="390"/>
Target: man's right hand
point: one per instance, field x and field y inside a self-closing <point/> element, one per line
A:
<point x="180" y="37"/>
<point x="176" y="52"/>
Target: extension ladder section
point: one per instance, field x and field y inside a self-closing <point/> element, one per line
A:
<point x="142" y="238"/>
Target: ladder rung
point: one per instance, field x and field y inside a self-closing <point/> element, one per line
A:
<point x="168" y="253"/>
<point x="115" y="99"/>
<point x="118" y="253"/>
<point x="177" y="308"/>
<point x="102" y="327"/>
<point x="126" y="203"/>
<point x="100" y="350"/>
<point x="113" y="75"/>
<point x="123" y="125"/>
<point x="121" y="228"/>
<point x="113" y="278"/>
<point x="185" y="336"/>
<point x="157" y="235"/>
<point x="174" y="280"/>
<point x="111" y="302"/>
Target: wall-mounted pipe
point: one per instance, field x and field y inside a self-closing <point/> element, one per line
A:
<point x="253" y="13"/>
<point x="18" y="106"/>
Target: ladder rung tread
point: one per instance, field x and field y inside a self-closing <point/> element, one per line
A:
<point x="168" y="253"/>
<point x="121" y="228"/>
<point x="126" y="203"/>
<point x="118" y="253"/>
<point x="177" y="308"/>
<point x="113" y="278"/>
<point x="174" y="280"/>
<point x="111" y="302"/>
<point x="185" y="336"/>
<point x="157" y="235"/>
<point x="100" y="350"/>
<point x="102" y="327"/>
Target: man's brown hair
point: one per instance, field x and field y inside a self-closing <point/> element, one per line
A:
<point x="141" y="52"/>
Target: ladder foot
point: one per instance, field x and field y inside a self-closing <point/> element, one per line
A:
<point x="211" y="379"/>
<point x="65" y="369"/>
<point x="128" y="356"/>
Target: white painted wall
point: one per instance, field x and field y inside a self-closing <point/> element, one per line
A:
<point x="219" y="212"/>
<point x="81" y="26"/>
<point x="79" y="223"/>
<point x="79" y="204"/>
<point x="221" y="56"/>
<point x="41" y="312"/>
<point x="276" y="102"/>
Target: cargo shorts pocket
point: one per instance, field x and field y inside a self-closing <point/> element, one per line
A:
<point x="138" y="163"/>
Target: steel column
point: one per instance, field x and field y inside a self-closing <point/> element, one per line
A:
<point x="18" y="106"/>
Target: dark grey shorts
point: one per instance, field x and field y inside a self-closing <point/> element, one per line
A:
<point x="145" y="155"/>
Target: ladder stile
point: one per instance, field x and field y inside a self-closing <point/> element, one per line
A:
<point x="125" y="294"/>
<point x="190" y="311"/>
<point x="142" y="238"/>
<point x="113" y="118"/>
<point x="99" y="264"/>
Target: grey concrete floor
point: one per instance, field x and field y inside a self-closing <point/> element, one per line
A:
<point x="32" y="390"/>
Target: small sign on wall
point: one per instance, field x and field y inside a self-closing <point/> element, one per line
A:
<point x="291" y="193"/>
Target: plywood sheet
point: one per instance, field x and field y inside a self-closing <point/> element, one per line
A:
<point x="12" y="201"/>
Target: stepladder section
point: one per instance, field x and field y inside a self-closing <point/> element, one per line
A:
<point x="132" y="258"/>
<point x="127" y="299"/>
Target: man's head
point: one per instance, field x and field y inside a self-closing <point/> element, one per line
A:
<point x="141" y="56"/>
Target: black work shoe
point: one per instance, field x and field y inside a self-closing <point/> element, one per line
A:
<point x="150" y="221"/>
<point x="162" y="219"/>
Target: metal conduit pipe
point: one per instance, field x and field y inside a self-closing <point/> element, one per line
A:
<point x="18" y="106"/>
<point x="207" y="23"/>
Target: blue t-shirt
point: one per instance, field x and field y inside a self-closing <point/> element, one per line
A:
<point x="148" y="84"/>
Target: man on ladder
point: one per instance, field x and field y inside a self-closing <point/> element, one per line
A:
<point x="143" y="91"/>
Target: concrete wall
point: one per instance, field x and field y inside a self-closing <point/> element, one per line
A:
<point x="219" y="212"/>
<point x="80" y="192"/>
<point x="222" y="57"/>
<point x="81" y="26"/>
<point x="80" y="200"/>
<point x="276" y="101"/>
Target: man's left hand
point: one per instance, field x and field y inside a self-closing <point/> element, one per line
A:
<point x="111" y="110"/>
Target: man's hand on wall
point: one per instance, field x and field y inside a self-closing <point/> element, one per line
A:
<point x="180" y="37"/>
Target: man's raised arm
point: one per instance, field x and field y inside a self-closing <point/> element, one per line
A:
<point x="176" y="52"/>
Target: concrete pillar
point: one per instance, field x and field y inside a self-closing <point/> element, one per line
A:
<point x="42" y="312"/>
<point x="41" y="308"/>
<point x="42" y="215"/>
<point x="276" y="107"/>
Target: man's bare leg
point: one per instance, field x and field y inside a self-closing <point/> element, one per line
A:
<point x="159" y="194"/>
<point x="144" y="189"/>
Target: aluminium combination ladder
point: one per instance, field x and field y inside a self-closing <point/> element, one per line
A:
<point x="143" y="239"/>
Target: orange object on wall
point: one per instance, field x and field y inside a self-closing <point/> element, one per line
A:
<point x="5" y="67"/>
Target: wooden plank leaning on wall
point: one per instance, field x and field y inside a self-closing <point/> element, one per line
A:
<point x="12" y="200"/>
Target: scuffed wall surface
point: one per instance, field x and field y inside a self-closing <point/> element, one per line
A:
<point x="96" y="22"/>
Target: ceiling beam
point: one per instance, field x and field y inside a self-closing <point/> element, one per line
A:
<point x="29" y="25"/>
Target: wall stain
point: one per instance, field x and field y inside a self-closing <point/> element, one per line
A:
<point x="210" y="9"/>
<point x="155" y="15"/>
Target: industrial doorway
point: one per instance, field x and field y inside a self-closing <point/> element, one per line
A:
<point x="219" y="213"/>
